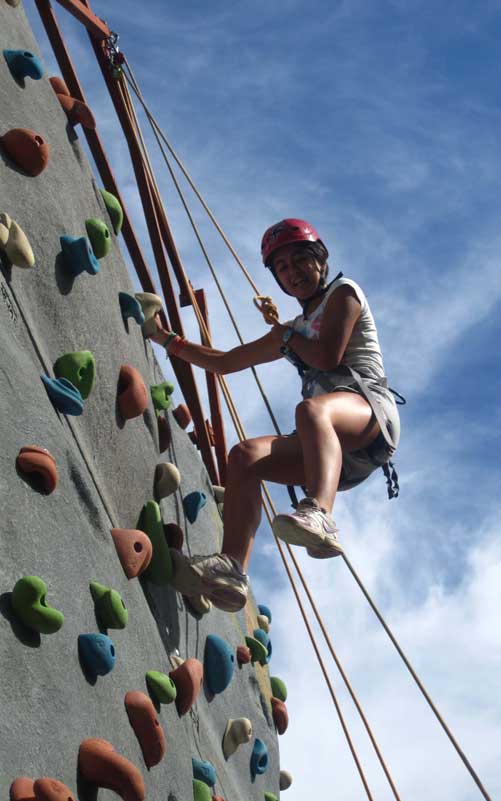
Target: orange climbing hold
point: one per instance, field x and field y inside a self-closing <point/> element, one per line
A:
<point x="188" y="679"/>
<point x="280" y="715"/>
<point x="132" y="393"/>
<point x="77" y="112"/>
<point x="164" y="437"/>
<point x="182" y="415"/>
<point x="244" y="655"/>
<point x="134" y="550"/>
<point x="143" y="719"/>
<point x="51" y="790"/>
<point x="40" y="465"/>
<point x="22" y="789"/>
<point x="26" y="149"/>
<point x="99" y="764"/>
<point x="59" y="86"/>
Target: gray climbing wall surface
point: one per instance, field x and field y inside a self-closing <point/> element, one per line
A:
<point x="106" y="469"/>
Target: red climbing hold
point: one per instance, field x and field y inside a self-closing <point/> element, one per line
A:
<point x="51" y="790"/>
<point x="188" y="679"/>
<point x="280" y="715"/>
<point x="244" y="655"/>
<point x="59" y="86"/>
<point x="174" y="536"/>
<point x="99" y="764"/>
<point x="39" y="463"/>
<point x="143" y="719"/>
<point x="163" y="433"/>
<point x="77" y="112"/>
<point x="134" y="550"/>
<point x="27" y="149"/>
<point x="182" y="415"/>
<point x="132" y="393"/>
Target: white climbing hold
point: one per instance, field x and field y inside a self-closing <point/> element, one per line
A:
<point x="285" y="779"/>
<point x="15" y="243"/>
<point x="167" y="479"/>
<point x="151" y="304"/>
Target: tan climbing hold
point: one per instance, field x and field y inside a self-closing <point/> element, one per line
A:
<point x="13" y="3"/>
<point x="176" y="660"/>
<point x="238" y="731"/>
<point x="151" y="304"/>
<point x="285" y="779"/>
<point x="15" y="243"/>
<point x="218" y="493"/>
<point x="167" y="479"/>
<point x="263" y="623"/>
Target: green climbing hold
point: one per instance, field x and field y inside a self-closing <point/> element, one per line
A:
<point x="111" y="612"/>
<point x="114" y="210"/>
<point x="99" y="236"/>
<point x="160" y="395"/>
<point x="29" y="602"/>
<point x="259" y="652"/>
<point x="270" y="797"/>
<point x="159" y="571"/>
<point x="278" y="688"/>
<point x="201" y="791"/>
<point x="79" y="368"/>
<point x="161" y="687"/>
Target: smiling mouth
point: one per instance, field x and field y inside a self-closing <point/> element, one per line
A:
<point x="299" y="283"/>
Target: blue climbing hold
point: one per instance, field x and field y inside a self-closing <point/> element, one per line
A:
<point x="78" y="255"/>
<point x="259" y="758"/>
<point x="23" y="64"/>
<point x="193" y="503"/>
<point x="65" y="397"/>
<point x="219" y="663"/>
<point x="204" y="771"/>
<point x="264" y="638"/>
<point x="130" y="307"/>
<point x="264" y="610"/>
<point x="97" y="653"/>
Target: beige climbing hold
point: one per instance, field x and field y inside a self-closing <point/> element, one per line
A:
<point x="218" y="493"/>
<point x="15" y="243"/>
<point x="263" y="623"/>
<point x="285" y="779"/>
<point x="151" y="304"/>
<point x="176" y="660"/>
<point x="238" y="731"/>
<point x="167" y="479"/>
<point x="13" y="3"/>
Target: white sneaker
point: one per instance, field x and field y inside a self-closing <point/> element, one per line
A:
<point x="219" y="577"/>
<point x="311" y="527"/>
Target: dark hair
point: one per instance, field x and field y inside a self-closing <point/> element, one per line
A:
<point x="316" y="249"/>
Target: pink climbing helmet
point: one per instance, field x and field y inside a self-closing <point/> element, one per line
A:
<point x="284" y="233"/>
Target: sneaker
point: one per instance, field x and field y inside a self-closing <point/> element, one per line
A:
<point x="311" y="527"/>
<point x="219" y="577"/>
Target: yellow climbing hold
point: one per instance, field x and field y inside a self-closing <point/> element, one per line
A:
<point x="15" y="243"/>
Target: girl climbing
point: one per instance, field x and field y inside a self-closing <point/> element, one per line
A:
<point x="347" y="424"/>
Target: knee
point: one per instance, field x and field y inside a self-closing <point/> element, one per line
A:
<point x="242" y="457"/>
<point x="308" y="411"/>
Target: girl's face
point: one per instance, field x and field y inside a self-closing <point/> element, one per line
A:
<point x="298" y="271"/>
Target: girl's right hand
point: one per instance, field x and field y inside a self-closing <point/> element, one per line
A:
<point x="160" y="334"/>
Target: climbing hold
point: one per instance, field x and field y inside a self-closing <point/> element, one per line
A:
<point x="204" y="771"/>
<point x="163" y="433"/>
<point x="130" y="307"/>
<point x="29" y="602"/>
<point x="111" y="612"/>
<point x="151" y="304"/>
<point x="238" y="731"/>
<point x="114" y="210"/>
<point x="201" y="791"/>
<point x="26" y="149"/>
<point x="219" y="663"/>
<point x="263" y="623"/>
<point x="97" y="654"/>
<point x="15" y="243"/>
<point x="159" y="571"/>
<point x="23" y="64"/>
<point x="264" y="638"/>
<point x="278" y="688"/>
<point x="176" y="660"/>
<point x="285" y="779"/>
<point x="174" y="536"/>
<point x="77" y="112"/>
<point x="270" y="797"/>
<point x="79" y="368"/>
<point x="198" y="604"/>
<point x="220" y="509"/>
<point x="132" y="393"/>
<point x="193" y="503"/>
<point x="147" y="728"/>
<point x="188" y="679"/>
<point x="280" y="715"/>
<point x="134" y="550"/>
<point x="39" y="464"/>
<point x="161" y="687"/>
<point x="22" y="789"/>
<point x="258" y="651"/>
<point x="217" y="798"/>
<point x="160" y="393"/>
<point x="77" y="255"/>
<point x="218" y="493"/>
<point x="182" y="415"/>
<point x="244" y="654"/>
<point x="13" y="3"/>
<point x="99" y="236"/>
<point x="167" y="479"/>
<point x="47" y="789"/>
<point x="99" y="764"/>
<point x="65" y="397"/>
<point x="259" y="758"/>
<point x="59" y="86"/>
<point x="264" y="610"/>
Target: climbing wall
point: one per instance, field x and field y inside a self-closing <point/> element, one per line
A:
<point x="50" y="701"/>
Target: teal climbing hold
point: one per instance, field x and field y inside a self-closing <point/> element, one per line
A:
<point x="160" y="395"/>
<point x="278" y="688"/>
<point x="159" y="571"/>
<point x="259" y="652"/>
<point x="219" y="663"/>
<point x="130" y="307"/>
<point x="264" y="638"/>
<point x="77" y="255"/>
<point x="23" y="64"/>
<point x="97" y="654"/>
<point x="79" y="368"/>
<point x="201" y="791"/>
<point x="114" y="210"/>
<point x="161" y="687"/>
<point x="29" y="602"/>
<point x="99" y="235"/>
<point x="259" y="758"/>
<point x="65" y="397"/>
<point x="204" y="771"/>
<point x="111" y="612"/>
<point x="193" y="503"/>
<point x="264" y="610"/>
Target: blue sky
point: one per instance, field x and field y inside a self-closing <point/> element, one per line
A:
<point x="380" y="123"/>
